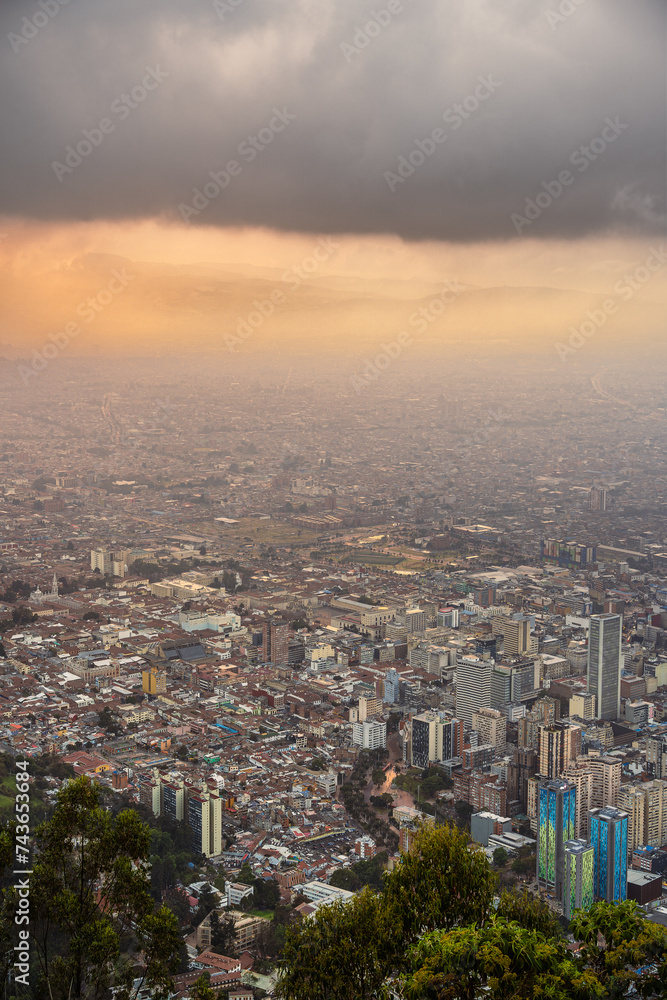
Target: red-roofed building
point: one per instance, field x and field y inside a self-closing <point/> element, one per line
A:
<point x="213" y="962"/>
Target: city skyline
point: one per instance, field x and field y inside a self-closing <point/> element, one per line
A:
<point x="333" y="506"/>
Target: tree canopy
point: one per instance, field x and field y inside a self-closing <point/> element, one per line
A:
<point x="338" y="953"/>
<point x="91" y="890"/>
<point x="345" y="951"/>
<point x="433" y="933"/>
<point x="440" y="883"/>
<point x="621" y="954"/>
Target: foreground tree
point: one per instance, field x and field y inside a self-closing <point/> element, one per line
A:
<point x="500" y="960"/>
<point x="346" y="951"/>
<point x="336" y="954"/>
<point x="626" y="952"/>
<point x="440" y="883"/>
<point x="8" y="904"/>
<point x="432" y="933"/>
<point x="519" y="954"/>
<point x="89" y="890"/>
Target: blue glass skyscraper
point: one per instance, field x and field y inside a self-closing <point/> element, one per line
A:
<point x="609" y="838"/>
<point x="556" y="810"/>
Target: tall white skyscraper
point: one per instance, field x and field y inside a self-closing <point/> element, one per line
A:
<point x="473" y="687"/>
<point x="604" y="664"/>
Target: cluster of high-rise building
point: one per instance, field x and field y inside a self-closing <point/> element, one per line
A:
<point x="574" y="869"/>
<point x="198" y="804"/>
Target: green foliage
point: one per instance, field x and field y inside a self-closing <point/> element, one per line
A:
<point x="16" y="590"/>
<point x="392" y="722"/>
<point x="525" y="863"/>
<point x="529" y="912"/>
<point x="346" y="950"/>
<point x="336" y="954"/>
<point x="8" y="905"/>
<point x="90" y="889"/>
<point x="155" y="571"/>
<point x="23" y="616"/>
<point x="246" y="876"/>
<point x="109" y="721"/>
<point x="345" y="878"/>
<point x="270" y="939"/>
<point x="47" y="764"/>
<point x="500" y="960"/>
<point x="500" y="857"/>
<point x="201" y="989"/>
<point x="223" y="937"/>
<point x="441" y="883"/>
<point x="519" y="954"/>
<point x="370" y="872"/>
<point x="425" y="785"/>
<point x="220" y="879"/>
<point x="464" y="811"/>
<point x="267" y="894"/>
<point x="384" y="801"/>
<point x="207" y="902"/>
<point x="163" y="875"/>
<point x="362" y="812"/>
<point x="179" y="904"/>
<point x="378" y="776"/>
<point x="617" y="941"/>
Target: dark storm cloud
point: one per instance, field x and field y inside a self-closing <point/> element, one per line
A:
<point x="448" y="119"/>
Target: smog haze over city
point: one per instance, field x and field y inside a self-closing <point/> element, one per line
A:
<point x="333" y="374"/>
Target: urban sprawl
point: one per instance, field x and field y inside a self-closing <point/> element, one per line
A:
<point x="223" y="602"/>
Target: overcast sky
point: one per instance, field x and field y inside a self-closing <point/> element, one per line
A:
<point x="356" y="86"/>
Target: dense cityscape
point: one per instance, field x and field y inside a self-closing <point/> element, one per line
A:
<point x="223" y="598"/>
<point x="333" y="500"/>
